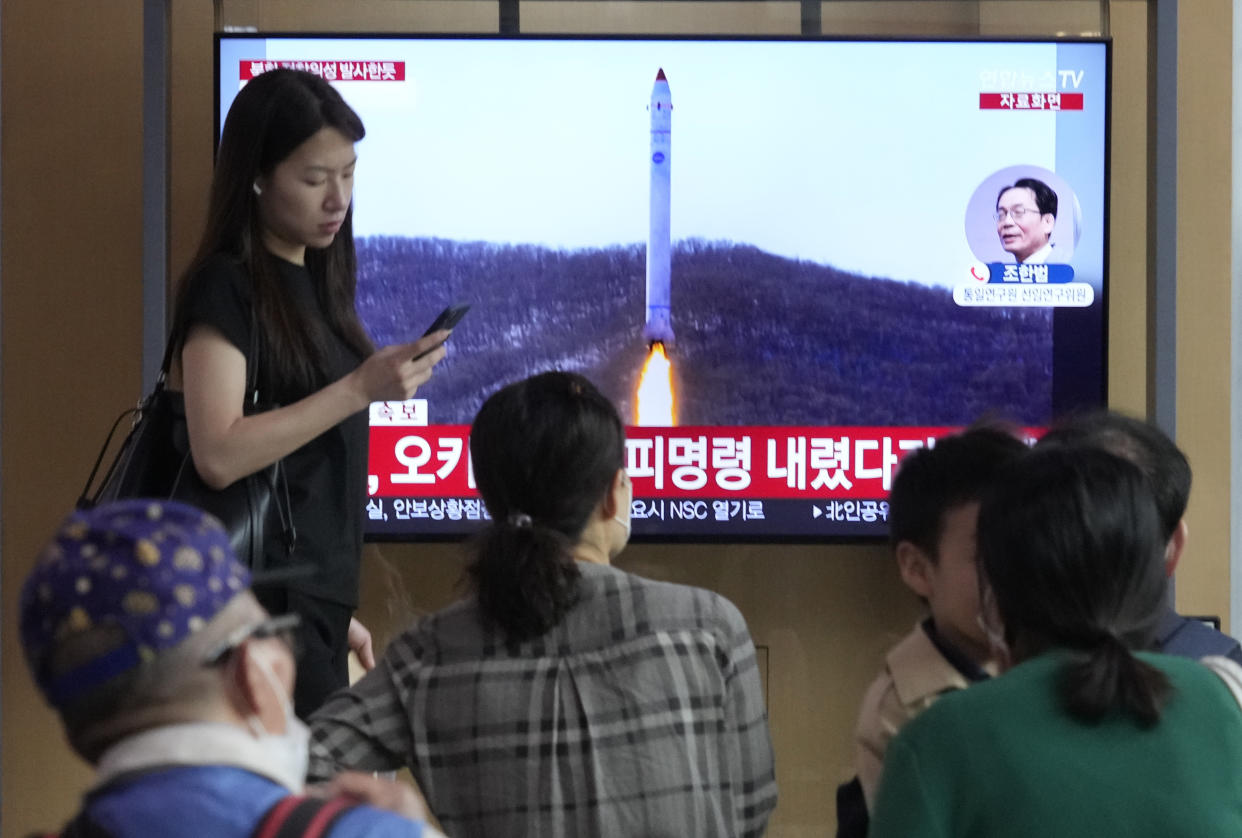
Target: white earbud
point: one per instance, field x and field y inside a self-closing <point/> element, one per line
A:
<point x="257" y="190"/>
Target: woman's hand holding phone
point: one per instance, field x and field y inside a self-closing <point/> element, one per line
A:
<point x="445" y="320"/>
<point x="394" y="373"/>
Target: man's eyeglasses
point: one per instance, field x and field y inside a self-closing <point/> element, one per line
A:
<point x="1017" y="213"/>
<point x="284" y="627"/>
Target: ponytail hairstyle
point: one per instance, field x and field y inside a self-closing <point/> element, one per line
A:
<point x="545" y="451"/>
<point x="271" y="116"/>
<point x="1070" y="541"/>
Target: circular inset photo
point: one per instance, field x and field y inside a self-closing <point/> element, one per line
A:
<point x="1023" y="214"/>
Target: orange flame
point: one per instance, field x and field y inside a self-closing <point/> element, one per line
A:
<point x="655" y="405"/>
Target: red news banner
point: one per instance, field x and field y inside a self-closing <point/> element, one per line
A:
<point x="1027" y="101"/>
<point x="330" y="69"/>
<point x="686" y="462"/>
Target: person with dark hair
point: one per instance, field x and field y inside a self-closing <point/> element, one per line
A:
<point x="1026" y="212"/>
<point x="174" y="684"/>
<point x="563" y="696"/>
<point x="1082" y="735"/>
<point x="933" y="506"/>
<point x="274" y="277"/>
<point x="1168" y="473"/>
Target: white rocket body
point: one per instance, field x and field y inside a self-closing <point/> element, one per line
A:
<point x="659" y="326"/>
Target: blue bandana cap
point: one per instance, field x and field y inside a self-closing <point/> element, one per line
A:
<point x="158" y="570"/>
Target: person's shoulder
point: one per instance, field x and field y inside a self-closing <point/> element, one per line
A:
<point x="967" y="709"/>
<point x="920" y="672"/>
<point x="452" y="630"/>
<point x="220" y="279"/>
<point x="1204" y="701"/>
<point x="677" y="602"/>
<point x="914" y="676"/>
<point x="1184" y="672"/>
<point x="915" y="646"/>
<point x="881" y="708"/>
<point x="1191" y="638"/>
<point x="369" y="822"/>
<point x="958" y="714"/>
<point x="642" y="607"/>
<point x="219" y="267"/>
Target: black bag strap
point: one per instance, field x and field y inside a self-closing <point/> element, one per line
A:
<point x="278" y="482"/>
<point x="296" y="816"/>
<point x="85" y="499"/>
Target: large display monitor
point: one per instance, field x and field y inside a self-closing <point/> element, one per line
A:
<point x="787" y="261"/>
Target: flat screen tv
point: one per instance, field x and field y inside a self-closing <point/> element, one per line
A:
<point x="788" y="261"/>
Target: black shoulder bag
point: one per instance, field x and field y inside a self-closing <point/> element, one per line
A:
<point x="154" y="462"/>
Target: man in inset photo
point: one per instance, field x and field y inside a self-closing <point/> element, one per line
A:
<point x="1026" y="212"/>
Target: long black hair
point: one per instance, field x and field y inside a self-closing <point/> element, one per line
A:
<point x="1070" y="541"/>
<point x="545" y="451"/>
<point x="272" y="115"/>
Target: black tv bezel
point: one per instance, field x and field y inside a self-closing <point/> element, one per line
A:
<point x="1059" y="315"/>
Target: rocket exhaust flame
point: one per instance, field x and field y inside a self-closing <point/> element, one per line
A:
<point x="655" y="404"/>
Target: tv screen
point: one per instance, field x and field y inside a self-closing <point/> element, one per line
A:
<point x="787" y="261"/>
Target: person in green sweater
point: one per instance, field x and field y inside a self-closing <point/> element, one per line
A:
<point x="1082" y="735"/>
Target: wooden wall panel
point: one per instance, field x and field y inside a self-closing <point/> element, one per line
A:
<point x="70" y="273"/>
<point x="1204" y="250"/>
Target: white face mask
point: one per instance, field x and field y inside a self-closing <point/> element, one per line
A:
<point x="996" y="640"/>
<point x="289" y="752"/>
<point x="625" y="522"/>
<point x="994" y="634"/>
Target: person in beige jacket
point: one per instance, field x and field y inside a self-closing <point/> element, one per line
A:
<point x="933" y="508"/>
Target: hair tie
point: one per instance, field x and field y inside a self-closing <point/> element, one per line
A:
<point x="1108" y="636"/>
<point x="520" y="520"/>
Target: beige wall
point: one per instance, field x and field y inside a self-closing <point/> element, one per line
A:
<point x="69" y="274"/>
<point x="1203" y="304"/>
<point x="70" y="266"/>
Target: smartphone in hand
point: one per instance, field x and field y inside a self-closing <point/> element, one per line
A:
<point x="446" y="319"/>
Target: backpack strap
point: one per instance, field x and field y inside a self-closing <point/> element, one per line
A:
<point x="1228" y="671"/>
<point x="296" y="816"/>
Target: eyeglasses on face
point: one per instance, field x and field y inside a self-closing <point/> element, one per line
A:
<point x="1017" y="213"/>
<point x="284" y="627"/>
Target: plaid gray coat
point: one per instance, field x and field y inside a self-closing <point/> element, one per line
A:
<point x="641" y="714"/>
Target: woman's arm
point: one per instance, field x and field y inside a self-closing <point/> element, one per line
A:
<point x="368" y="726"/>
<point x="227" y="445"/>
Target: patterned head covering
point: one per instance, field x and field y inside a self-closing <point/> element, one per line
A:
<point x="159" y="570"/>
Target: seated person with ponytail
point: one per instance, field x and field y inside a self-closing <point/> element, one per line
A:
<point x="563" y="696"/>
<point x="1082" y="735"/>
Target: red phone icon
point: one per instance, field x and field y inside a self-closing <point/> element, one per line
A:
<point x="983" y="278"/>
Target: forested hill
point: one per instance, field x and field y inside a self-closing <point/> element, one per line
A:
<point x="760" y="339"/>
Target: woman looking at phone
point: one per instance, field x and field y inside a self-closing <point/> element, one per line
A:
<point x="275" y="275"/>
